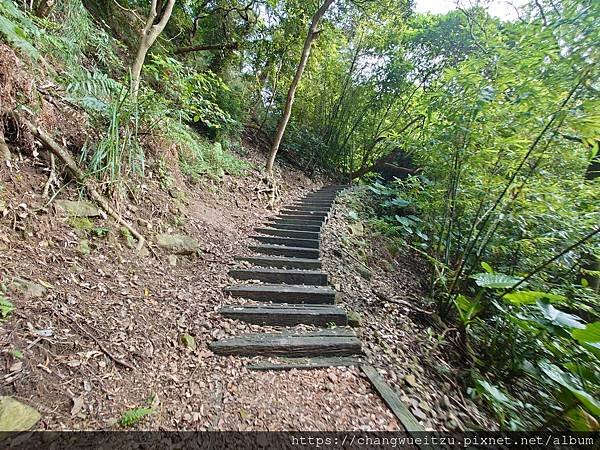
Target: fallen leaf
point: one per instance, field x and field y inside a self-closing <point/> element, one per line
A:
<point x="77" y="405"/>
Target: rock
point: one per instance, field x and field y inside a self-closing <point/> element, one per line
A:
<point x="365" y="273"/>
<point x="172" y="260"/>
<point x="80" y="208"/>
<point x="188" y="341"/>
<point x="354" y="319"/>
<point x="16" y="416"/>
<point x="178" y="243"/>
<point x="28" y="288"/>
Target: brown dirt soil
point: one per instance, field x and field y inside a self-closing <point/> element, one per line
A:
<point x="388" y="290"/>
<point x="112" y="308"/>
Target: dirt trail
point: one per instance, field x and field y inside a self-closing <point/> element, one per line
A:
<point x="67" y="351"/>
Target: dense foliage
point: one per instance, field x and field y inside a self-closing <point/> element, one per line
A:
<point x="492" y="128"/>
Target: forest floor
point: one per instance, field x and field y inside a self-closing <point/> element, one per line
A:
<point x="99" y="332"/>
<point x="97" y="327"/>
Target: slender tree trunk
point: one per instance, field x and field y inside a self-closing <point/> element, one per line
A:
<point x="287" y="111"/>
<point x="147" y="37"/>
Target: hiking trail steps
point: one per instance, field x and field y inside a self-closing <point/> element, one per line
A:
<point x="288" y="288"/>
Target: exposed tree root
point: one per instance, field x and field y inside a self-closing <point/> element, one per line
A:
<point x="77" y="174"/>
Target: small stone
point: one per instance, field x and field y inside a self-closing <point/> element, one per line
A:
<point x="16" y="416"/>
<point x="79" y="208"/>
<point x="365" y="273"/>
<point x="28" y="288"/>
<point x="354" y="319"/>
<point x="172" y="260"/>
<point x="178" y="243"/>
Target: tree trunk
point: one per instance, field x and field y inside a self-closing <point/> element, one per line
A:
<point x="147" y="37"/>
<point x="287" y="111"/>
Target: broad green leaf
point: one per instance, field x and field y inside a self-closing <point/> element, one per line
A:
<point x="493" y="392"/>
<point x="530" y="297"/>
<point x="487" y="267"/>
<point x="556" y="374"/>
<point x="560" y="318"/>
<point x="495" y="280"/>
<point x="591" y="333"/>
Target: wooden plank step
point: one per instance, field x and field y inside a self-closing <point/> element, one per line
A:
<point x="308" y="208"/>
<point x="282" y="262"/>
<point x="295" y="227"/>
<point x="406" y="418"/>
<point x="319" y="343"/>
<point x="288" y="233"/>
<point x="304" y="214"/>
<point x="288" y="221"/>
<point x="290" y="242"/>
<point x="308" y="363"/>
<point x="311" y="217"/>
<point x="313" y="204"/>
<point x="287" y="276"/>
<point x="287" y="315"/>
<point x="320" y="197"/>
<point x="284" y="293"/>
<point x="282" y="250"/>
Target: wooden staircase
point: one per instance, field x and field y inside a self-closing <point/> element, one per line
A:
<point x="289" y="289"/>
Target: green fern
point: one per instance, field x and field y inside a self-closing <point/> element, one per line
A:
<point x="93" y="84"/>
<point x="133" y="416"/>
<point x="17" y="28"/>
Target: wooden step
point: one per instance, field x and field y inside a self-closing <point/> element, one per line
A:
<point x="284" y="293"/>
<point x="308" y="201"/>
<point x="335" y="342"/>
<point x="293" y="227"/>
<point x="316" y="205"/>
<point x="287" y="315"/>
<point x="319" y="197"/>
<point x="288" y="233"/>
<point x="282" y="250"/>
<point x="307" y="208"/>
<point x="287" y="221"/>
<point x="287" y="276"/>
<point x="308" y="363"/>
<point x="304" y="214"/>
<point x="311" y="217"/>
<point x="289" y="242"/>
<point x="282" y="262"/>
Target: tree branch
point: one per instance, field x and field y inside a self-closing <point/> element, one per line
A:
<point x="201" y="48"/>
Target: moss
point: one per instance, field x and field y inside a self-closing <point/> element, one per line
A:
<point x="81" y="223"/>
